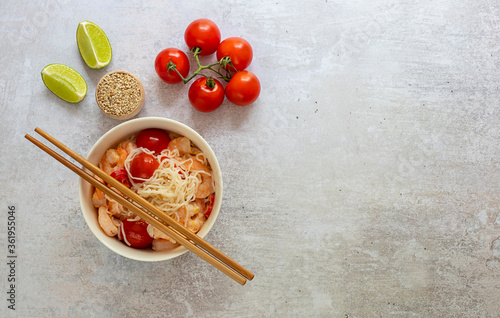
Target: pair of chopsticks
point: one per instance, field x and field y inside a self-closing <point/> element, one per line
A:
<point x="145" y="210"/>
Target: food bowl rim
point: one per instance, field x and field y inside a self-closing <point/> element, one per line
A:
<point x="113" y="137"/>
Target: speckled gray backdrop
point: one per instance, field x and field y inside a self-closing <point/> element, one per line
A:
<point x="364" y="182"/>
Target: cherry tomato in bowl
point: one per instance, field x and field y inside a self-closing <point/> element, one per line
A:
<point x="136" y="233"/>
<point x="178" y="58"/>
<point x="210" y="205"/>
<point x="238" y="50"/>
<point x="243" y="88"/>
<point x="205" y="98"/>
<point x="155" y="140"/>
<point x="143" y="166"/>
<point x="204" y="34"/>
<point x="122" y="176"/>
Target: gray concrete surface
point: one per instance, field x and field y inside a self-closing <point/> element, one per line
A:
<point x="364" y="182"/>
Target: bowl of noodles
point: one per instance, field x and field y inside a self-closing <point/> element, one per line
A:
<point x="167" y="163"/>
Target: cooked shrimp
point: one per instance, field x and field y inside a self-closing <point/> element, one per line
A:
<point x="194" y="224"/>
<point x="181" y="214"/>
<point x="162" y="245"/>
<point x="128" y="146"/>
<point x="192" y="208"/>
<point x="115" y="208"/>
<point x="123" y="156"/>
<point x="194" y="164"/>
<point x="187" y="212"/>
<point x="106" y="222"/>
<point x="191" y="217"/>
<point x="109" y="161"/>
<point x="155" y="233"/>
<point x="98" y="198"/>
<point x="183" y="144"/>
<point x="201" y="205"/>
<point x="205" y="188"/>
<point x="113" y="159"/>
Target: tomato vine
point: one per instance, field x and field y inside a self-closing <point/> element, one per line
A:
<point x="233" y="56"/>
<point x="196" y="52"/>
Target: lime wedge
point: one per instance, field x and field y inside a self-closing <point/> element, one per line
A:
<point x="65" y="82"/>
<point x="93" y="45"/>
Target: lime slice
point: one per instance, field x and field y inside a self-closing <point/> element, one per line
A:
<point x="93" y="45"/>
<point x="65" y="82"/>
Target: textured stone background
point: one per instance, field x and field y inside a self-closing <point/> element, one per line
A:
<point x="363" y="183"/>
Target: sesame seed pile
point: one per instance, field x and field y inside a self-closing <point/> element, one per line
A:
<point x="118" y="94"/>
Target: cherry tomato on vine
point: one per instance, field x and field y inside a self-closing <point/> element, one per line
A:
<point x="153" y="139"/>
<point x="204" y="34"/>
<point x="205" y="98"/>
<point x="143" y="166"/>
<point x="136" y="233"/>
<point x="238" y="50"/>
<point x="243" y="88"/>
<point x="178" y="58"/>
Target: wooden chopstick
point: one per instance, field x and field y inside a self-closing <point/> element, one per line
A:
<point x="175" y="230"/>
<point x="148" y="218"/>
<point x="148" y="206"/>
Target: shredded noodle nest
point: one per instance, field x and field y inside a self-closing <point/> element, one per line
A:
<point x="174" y="183"/>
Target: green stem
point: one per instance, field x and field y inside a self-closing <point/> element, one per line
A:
<point x="224" y="77"/>
<point x="196" y="52"/>
<point x="210" y="82"/>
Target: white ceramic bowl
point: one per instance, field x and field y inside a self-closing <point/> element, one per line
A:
<point x="111" y="139"/>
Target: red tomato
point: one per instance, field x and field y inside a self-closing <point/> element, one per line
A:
<point x="178" y="58"/>
<point x="210" y="206"/>
<point x="122" y="176"/>
<point x="153" y="139"/>
<point x="239" y="50"/>
<point x="136" y="233"/>
<point x="204" y="98"/>
<point x="204" y="34"/>
<point x="143" y="166"/>
<point x="243" y="88"/>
